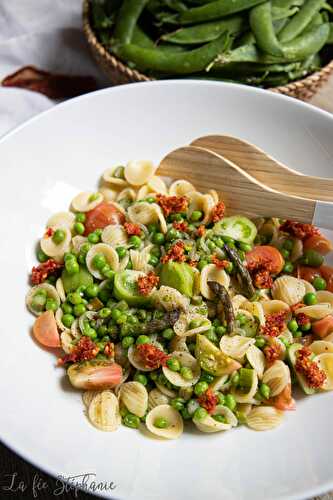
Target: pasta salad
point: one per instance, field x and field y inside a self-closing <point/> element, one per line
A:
<point x="169" y="311"/>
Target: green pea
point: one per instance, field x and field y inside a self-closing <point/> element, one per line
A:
<point x="172" y="234"/>
<point x="241" y="318"/>
<point x="293" y="326"/>
<point x="67" y="308"/>
<point x="211" y="335"/>
<point x="81" y="258"/>
<point x="319" y="283"/>
<point x="288" y="267"/>
<point x="131" y="420"/>
<point x="168" y="334"/>
<point x="220" y="330"/>
<point x="306" y="327"/>
<point x="105" y="312"/>
<point x="135" y="241"/>
<point x="79" y="228"/>
<point x="177" y="403"/>
<point x="80" y="217"/>
<point x="202" y="264"/>
<point x="220" y="418"/>
<point x="200" y="388"/>
<point x="153" y="376"/>
<point x="91" y="333"/>
<point x="127" y="342"/>
<point x="85" y="247"/>
<point x="235" y="379"/>
<point x="51" y="305"/>
<point x="185" y="414"/>
<point x="211" y="245"/>
<point x="228" y="240"/>
<point x="195" y="323"/>
<point x="99" y="261"/>
<point x="158" y="238"/>
<point x="310" y="299"/>
<point x="288" y="245"/>
<point x="102" y="330"/>
<point x="173" y="364"/>
<point x="116" y="313"/>
<point x="121" y="251"/>
<point x="229" y="268"/>
<point x="245" y="247"/>
<point x="200" y="413"/>
<point x="67" y="320"/>
<point x="186" y="373"/>
<point x="156" y="252"/>
<point x="219" y="243"/>
<point x="206" y="377"/>
<point x="122" y="319"/>
<point x="132" y="320"/>
<point x="72" y="266"/>
<point x="119" y="172"/>
<point x="93" y="238"/>
<point x="230" y="402"/>
<point x="92" y="291"/>
<point x="113" y="330"/>
<point x="298" y="334"/>
<point x="104" y="295"/>
<point x="153" y="261"/>
<point x="152" y="228"/>
<point x="142" y="339"/>
<point x="141" y="378"/>
<point x="265" y="391"/>
<point x="260" y="342"/>
<point x="79" y="309"/>
<point x="285" y="253"/>
<point x="75" y="298"/>
<point x="58" y="236"/>
<point x="41" y="256"/>
<point x="161" y="423"/>
<point x="196" y="215"/>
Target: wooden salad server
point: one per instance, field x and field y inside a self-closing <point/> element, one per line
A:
<point x="242" y="193"/>
<point x="266" y="169"/>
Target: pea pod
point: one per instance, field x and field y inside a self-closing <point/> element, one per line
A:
<point x="177" y="63"/>
<point x="128" y="16"/>
<point x="263" y="29"/>
<point x="206" y="32"/>
<point x="215" y="10"/>
<point x="286" y="4"/>
<point x="330" y="37"/>
<point x="301" y="20"/>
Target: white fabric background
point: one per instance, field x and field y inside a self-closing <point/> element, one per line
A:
<point x="47" y="34"/>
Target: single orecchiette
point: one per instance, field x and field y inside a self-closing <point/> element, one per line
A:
<point x="186" y="359"/>
<point x="156" y="398"/>
<point x="169" y="299"/>
<point x="86" y="201"/>
<point x="147" y="213"/>
<point x="60" y="220"/>
<point x="140" y="258"/>
<point x="212" y="273"/>
<point x="263" y="418"/>
<point x="317" y="311"/>
<point x="108" y="193"/>
<point x="321" y="346"/>
<point x="247" y="396"/>
<point x="114" y="235"/>
<point x="110" y="176"/>
<point x="236" y="346"/>
<point x="288" y="289"/>
<point x="277" y="377"/>
<point x="110" y="255"/>
<point x="274" y="306"/>
<point x="182" y="328"/>
<point x="56" y="250"/>
<point x="181" y="188"/>
<point x="51" y="293"/>
<point x="174" y="422"/>
<point x="87" y="397"/>
<point x="77" y="242"/>
<point x="103" y="411"/>
<point x="138" y="172"/>
<point x="256" y="309"/>
<point x="202" y="202"/>
<point x="126" y="194"/>
<point x="209" y="424"/>
<point x="135" y="397"/>
<point x="257" y="359"/>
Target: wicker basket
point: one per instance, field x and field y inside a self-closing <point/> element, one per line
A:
<point x="119" y="73"/>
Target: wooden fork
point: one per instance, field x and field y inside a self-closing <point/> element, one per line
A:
<point x="242" y="193"/>
<point x="266" y="169"/>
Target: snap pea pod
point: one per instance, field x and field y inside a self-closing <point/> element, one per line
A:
<point x="330" y="37"/>
<point x="301" y="20"/>
<point x="182" y="63"/>
<point x="128" y="16"/>
<point x="278" y="13"/>
<point x="215" y="10"/>
<point x="279" y="25"/>
<point x="310" y="42"/>
<point x="262" y="26"/>
<point x="142" y="39"/>
<point x="206" y="32"/>
<point x="232" y="70"/>
<point x="286" y="4"/>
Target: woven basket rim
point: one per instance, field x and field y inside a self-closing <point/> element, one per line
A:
<point x="132" y="74"/>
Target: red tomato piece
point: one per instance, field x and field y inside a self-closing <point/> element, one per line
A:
<point x="323" y="327"/>
<point x="266" y="254"/>
<point x="45" y="330"/>
<point x="319" y="243"/>
<point x="101" y="216"/>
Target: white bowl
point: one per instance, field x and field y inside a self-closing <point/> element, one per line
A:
<point x="43" y="163"/>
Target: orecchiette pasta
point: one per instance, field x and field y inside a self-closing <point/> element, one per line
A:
<point x="212" y="273"/>
<point x="156" y="398"/>
<point x="256" y="359"/>
<point x="202" y="202"/>
<point x="108" y="252"/>
<point x="60" y="220"/>
<point x="187" y="360"/>
<point x="139" y="172"/>
<point x="325" y="363"/>
<point x="56" y="250"/>
<point x="114" y="235"/>
<point x="288" y="289"/>
<point x="236" y="347"/>
<point x="135" y="397"/>
<point x="174" y="422"/>
<point x="103" y="411"/>
<point x="209" y="424"/>
<point x="147" y="213"/>
<point x="181" y="188"/>
<point x="83" y="202"/>
<point x="277" y="377"/>
<point x="113" y="176"/>
<point x="264" y="418"/>
<point x="37" y="296"/>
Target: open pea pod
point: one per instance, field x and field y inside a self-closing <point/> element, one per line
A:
<point x="212" y="359"/>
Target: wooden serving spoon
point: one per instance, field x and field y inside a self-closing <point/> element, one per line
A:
<point x="242" y="193"/>
<point x="266" y="169"/>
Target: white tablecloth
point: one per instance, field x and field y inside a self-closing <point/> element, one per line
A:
<point x="44" y="33"/>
